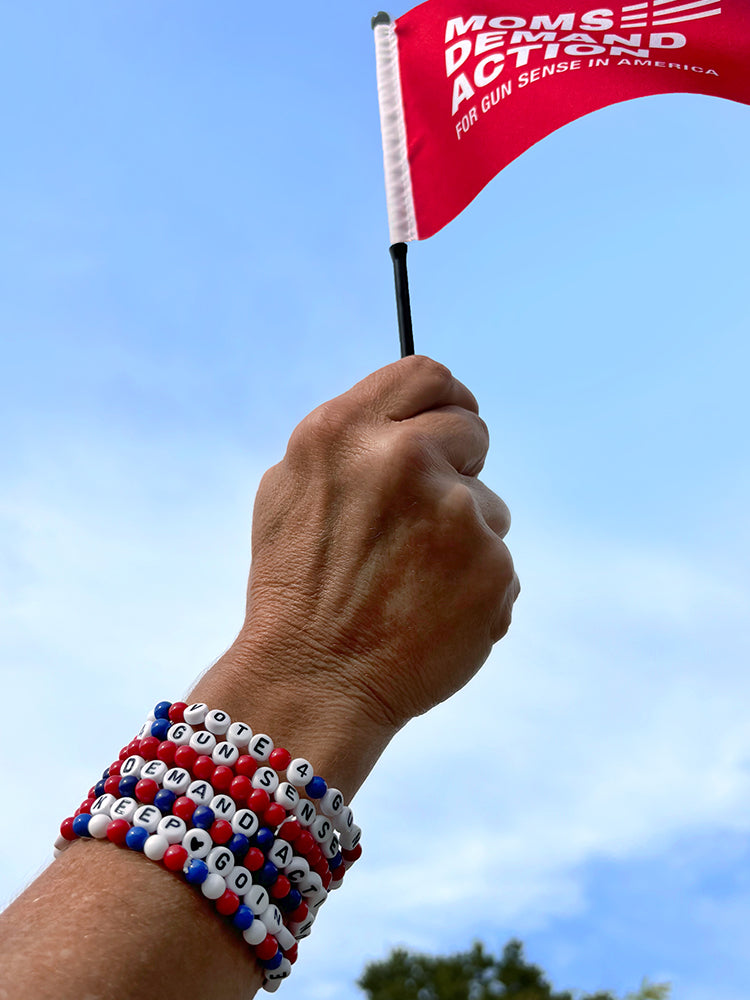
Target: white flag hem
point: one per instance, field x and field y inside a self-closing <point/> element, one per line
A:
<point x="398" y="190"/>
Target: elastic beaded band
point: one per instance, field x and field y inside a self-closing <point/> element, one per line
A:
<point x="185" y="795"/>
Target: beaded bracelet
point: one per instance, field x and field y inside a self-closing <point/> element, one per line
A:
<point x="226" y="823"/>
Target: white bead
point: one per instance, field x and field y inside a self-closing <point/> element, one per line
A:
<point x="221" y="861"/>
<point x="148" y="817"/>
<point x="332" y="802"/>
<point x="305" y="812"/>
<point x="260" y="746"/>
<point x="61" y="843"/>
<point x="224" y="806"/>
<point x="285" y="938"/>
<point x="131" y="766"/>
<point x="214" y="886"/>
<point x="57" y="851"/>
<point x="330" y="847"/>
<point x="98" y="826"/>
<point x="197" y="843"/>
<point x="151" y="717"/>
<point x="177" y="780"/>
<point x="225" y="753"/>
<point x="195" y="714"/>
<point x="303" y="930"/>
<point x="240" y="734"/>
<point x="124" y="809"/>
<point x="265" y="778"/>
<point x="287" y="795"/>
<point x="245" y="822"/>
<point x="155" y="847"/>
<point x="350" y="837"/>
<point x="200" y="792"/>
<point x="321" y="829"/>
<point x="271" y="917"/>
<point x="103" y="805"/>
<point x="336" y="884"/>
<point x="299" y="772"/>
<point x="154" y="769"/>
<point x="297" y="870"/>
<point x="281" y="853"/>
<point x="345" y="819"/>
<point x="239" y="880"/>
<point x="203" y="742"/>
<point x="172" y="829"/>
<point x="180" y="734"/>
<point x="283" y="972"/>
<point x="271" y="985"/>
<point x="255" y="933"/>
<point x="312" y="886"/>
<point x="145" y="729"/>
<point x="256" y="898"/>
<point x="217" y="722"/>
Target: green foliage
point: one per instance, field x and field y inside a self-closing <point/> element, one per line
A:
<point x="474" y="975"/>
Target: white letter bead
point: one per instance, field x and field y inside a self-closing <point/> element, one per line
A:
<point x="225" y="753"/>
<point x="180" y="734"/>
<point x="200" y="792"/>
<point x="305" y="812"/>
<point x="345" y="819"/>
<point x="177" y="780"/>
<point x="260" y="746"/>
<point x="265" y="778"/>
<point x="131" y="766"/>
<point x="172" y="829"/>
<point x="330" y="847"/>
<point x="197" y="843"/>
<point x="256" y="898"/>
<point x="255" y="933"/>
<point x="103" y="805"/>
<point x="221" y="861"/>
<point x="123" y="809"/>
<point x="154" y="769"/>
<point x="302" y="931"/>
<point x="239" y="880"/>
<point x="271" y="917"/>
<point x="332" y="802"/>
<point x="148" y="817"/>
<point x="223" y="806"/>
<point x="299" y="771"/>
<point x="195" y="714"/>
<point x="217" y="722"/>
<point x="285" y="938"/>
<point x="214" y="887"/>
<point x="155" y="847"/>
<point x="350" y="837"/>
<point x="283" y="972"/>
<point x="287" y="795"/>
<point x="281" y="853"/>
<point x="98" y="826"/>
<point x="297" y="870"/>
<point x="245" y="822"/>
<point x="321" y="829"/>
<point x="239" y="734"/>
<point x="203" y="742"/>
<point x="61" y="843"/>
<point x="145" y="729"/>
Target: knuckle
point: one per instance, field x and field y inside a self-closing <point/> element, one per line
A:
<point x="319" y="431"/>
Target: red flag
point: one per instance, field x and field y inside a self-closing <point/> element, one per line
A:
<point x="465" y="87"/>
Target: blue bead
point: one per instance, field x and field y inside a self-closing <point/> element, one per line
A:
<point x="264" y="838"/>
<point x="316" y="787"/>
<point x="272" y="963"/>
<point x="239" y="845"/>
<point x="196" y="871"/>
<point x="99" y="788"/>
<point x="335" y="861"/>
<point x="164" y="800"/>
<point x="267" y="874"/>
<point x="136" y="837"/>
<point x="291" y="901"/>
<point x="243" y="918"/>
<point x="162" y="710"/>
<point x="127" y="785"/>
<point x="203" y="817"/>
<point x="81" y="825"/>
<point x="160" y="728"/>
<point x="105" y="774"/>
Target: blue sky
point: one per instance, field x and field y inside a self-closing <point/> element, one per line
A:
<point x="194" y="255"/>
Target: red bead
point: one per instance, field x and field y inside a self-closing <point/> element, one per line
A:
<point x="123" y="753"/>
<point x="267" y="948"/>
<point x="91" y="794"/>
<point x="185" y="757"/>
<point x="240" y="788"/>
<point x="246" y="765"/>
<point x="203" y="769"/>
<point x="281" y="887"/>
<point x="305" y="842"/>
<point x="299" y="915"/>
<point x="66" y="829"/>
<point x="184" y="808"/>
<point x="114" y="768"/>
<point x="274" y="815"/>
<point x="258" y="801"/>
<point x="133" y="747"/>
<point x="338" y="873"/>
<point x="117" y="831"/>
<point x="112" y="785"/>
<point x="149" y="746"/>
<point x="280" y="759"/>
<point x="228" y="903"/>
<point x="177" y="711"/>
<point x="254" y="859"/>
<point x="353" y="855"/>
<point x="291" y="953"/>
<point x="222" y="778"/>
<point x="175" y="857"/>
<point x="85" y="806"/>
<point x="166" y="751"/>
<point x="221" y="831"/>
<point x="326" y="878"/>
<point x="314" y="856"/>
<point x="145" y="790"/>
<point x="290" y="830"/>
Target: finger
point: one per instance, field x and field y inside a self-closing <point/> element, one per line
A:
<point x="457" y="435"/>
<point x="411" y="386"/>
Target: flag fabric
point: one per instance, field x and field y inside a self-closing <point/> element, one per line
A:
<point x="465" y="86"/>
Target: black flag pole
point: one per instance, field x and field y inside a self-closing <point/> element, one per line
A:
<point x="403" y="303"/>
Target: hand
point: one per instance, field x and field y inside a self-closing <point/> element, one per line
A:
<point x="379" y="568"/>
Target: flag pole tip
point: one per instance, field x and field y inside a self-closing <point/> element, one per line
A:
<point x="380" y="18"/>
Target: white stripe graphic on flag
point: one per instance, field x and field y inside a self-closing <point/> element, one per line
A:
<point x="685" y="17"/>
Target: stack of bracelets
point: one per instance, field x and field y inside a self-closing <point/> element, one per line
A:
<point x="204" y="797"/>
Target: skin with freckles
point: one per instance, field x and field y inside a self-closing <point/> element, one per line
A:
<point x="379" y="582"/>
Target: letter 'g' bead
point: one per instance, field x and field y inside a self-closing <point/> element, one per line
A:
<point x="332" y="802"/>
